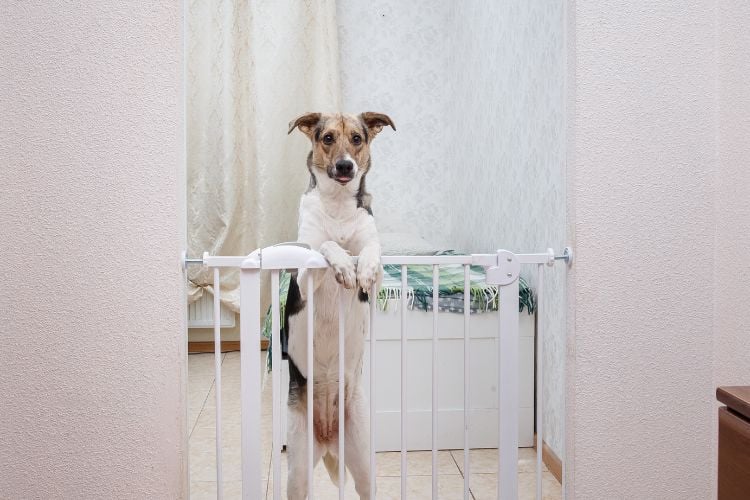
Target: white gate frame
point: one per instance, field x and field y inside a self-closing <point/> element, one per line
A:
<point x="503" y="269"/>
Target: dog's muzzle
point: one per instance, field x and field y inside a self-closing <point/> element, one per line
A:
<point x="343" y="171"/>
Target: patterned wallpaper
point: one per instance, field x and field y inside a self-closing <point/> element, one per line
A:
<point x="394" y="58"/>
<point x="476" y="90"/>
<point x="509" y="77"/>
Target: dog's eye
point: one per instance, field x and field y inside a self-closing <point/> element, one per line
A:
<point x="356" y="140"/>
<point x="328" y="139"/>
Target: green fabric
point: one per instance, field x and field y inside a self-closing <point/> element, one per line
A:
<point x="284" y="279"/>
<point x="484" y="297"/>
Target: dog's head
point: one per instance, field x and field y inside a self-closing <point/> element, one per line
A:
<point x="340" y="145"/>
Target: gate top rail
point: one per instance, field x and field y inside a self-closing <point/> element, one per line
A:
<point x="298" y="255"/>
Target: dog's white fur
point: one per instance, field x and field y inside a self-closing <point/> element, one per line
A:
<point x="331" y="222"/>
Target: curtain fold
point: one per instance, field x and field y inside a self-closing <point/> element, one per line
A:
<point x="252" y="66"/>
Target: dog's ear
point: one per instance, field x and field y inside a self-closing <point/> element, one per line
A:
<point x="306" y="123"/>
<point x="375" y="122"/>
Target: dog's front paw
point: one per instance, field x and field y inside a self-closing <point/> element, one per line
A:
<point x="341" y="264"/>
<point x="368" y="270"/>
<point x="344" y="273"/>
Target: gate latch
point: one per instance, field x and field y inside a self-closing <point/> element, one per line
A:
<point x="507" y="270"/>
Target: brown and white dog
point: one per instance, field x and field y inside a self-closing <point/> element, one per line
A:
<point x="335" y="218"/>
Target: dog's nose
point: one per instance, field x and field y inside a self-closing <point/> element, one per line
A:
<point x="344" y="167"/>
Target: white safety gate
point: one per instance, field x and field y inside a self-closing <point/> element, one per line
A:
<point x="503" y="269"/>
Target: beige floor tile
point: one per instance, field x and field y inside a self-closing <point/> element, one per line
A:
<point x="200" y="381"/>
<point x="195" y="406"/>
<point x="231" y="413"/>
<point x="527" y="460"/>
<point x="323" y="487"/>
<point x="449" y="485"/>
<point x="419" y="482"/>
<point x="202" y="458"/>
<point x="233" y="490"/>
<point x="484" y="461"/>
<point x="551" y="489"/>
<point x="202" y="490"/>
<point x="418" y="463"/>
<point x="199" y="364"/>
<point x="420" y="487"/>
<point x="202" y="443"/>
<point x="206" y="490"/>
<point x="235" y="356"/>
<point x="484" y="486"/>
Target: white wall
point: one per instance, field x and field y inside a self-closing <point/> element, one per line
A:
<point x="659" y="206"/>
<point x="92" y="364"/>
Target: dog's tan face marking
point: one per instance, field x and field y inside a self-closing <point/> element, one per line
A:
<point x="337" y="140"/>
<point x="340" y="142"/>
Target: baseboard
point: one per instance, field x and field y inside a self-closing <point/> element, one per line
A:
<point x="226" y="346"/>
<point x="552" y="461"/>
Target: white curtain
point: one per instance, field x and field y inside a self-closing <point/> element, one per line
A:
<point x="252" y="66"/>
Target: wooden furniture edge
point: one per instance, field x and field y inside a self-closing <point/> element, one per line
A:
<point x="737" y="399"/>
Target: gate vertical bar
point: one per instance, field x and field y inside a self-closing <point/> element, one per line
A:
<point x="467" y="357"/>
<point x="539" y="379"/>
<point x="276" y="381"/>
<point x="217" y="384"/>
<point x="250" y="377"/>
<point x="310" y="383"/>
<point x="435" y="309"/>
<point x="508" y="391"/>
<point x="342" y="400"/>
<point x="373" y="475"/>
<point x="403" y="380"/>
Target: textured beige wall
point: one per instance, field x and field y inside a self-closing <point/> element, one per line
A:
<point x="644" y="223"/>
<point x="660" y="207"/>
<point x="92" y="363"/>
<point x="732" y="252"/>
<point x="732" y="243"/>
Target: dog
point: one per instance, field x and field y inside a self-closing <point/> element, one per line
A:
<point x="335" y="218"/>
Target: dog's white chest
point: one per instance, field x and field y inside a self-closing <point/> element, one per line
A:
<point x="344" y="228"/>
<point x="340" y="232"/>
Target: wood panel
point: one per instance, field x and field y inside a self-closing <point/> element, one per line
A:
<point x="551" y="460"/>
<point x="226" y="346"/>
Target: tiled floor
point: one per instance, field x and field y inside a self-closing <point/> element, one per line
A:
<point x="202" y="414"/>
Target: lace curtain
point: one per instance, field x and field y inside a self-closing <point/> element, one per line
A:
<point x="252" y="66"/>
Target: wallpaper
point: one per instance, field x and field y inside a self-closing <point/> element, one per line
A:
<point x="394" y="58"/>
<point x="476" y="91"/>
<point x="508" y="109"/>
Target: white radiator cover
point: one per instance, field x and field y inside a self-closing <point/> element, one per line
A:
<point x="483" y="390"/>
<point x="201" y="313"/>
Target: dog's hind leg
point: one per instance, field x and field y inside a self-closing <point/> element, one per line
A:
<point x="296" y="486"/>
<point x="357" y="443"/>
